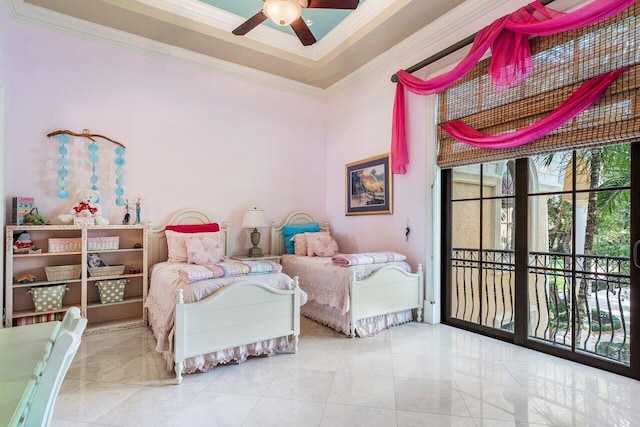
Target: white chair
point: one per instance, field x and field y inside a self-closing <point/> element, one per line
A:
<point x="69" y="322"/>
<point x="48" y="385"/>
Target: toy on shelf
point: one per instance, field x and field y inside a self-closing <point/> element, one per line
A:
<point x="34" y="218"/>
<point x="26" y="278"/>
<point x="86" y="207"/>
<point x="94" y="260"/>
<point x="22" y="243"/>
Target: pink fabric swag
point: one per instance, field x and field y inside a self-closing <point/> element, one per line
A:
<point x="511" y="60"/>
<point x="586" y="95"/>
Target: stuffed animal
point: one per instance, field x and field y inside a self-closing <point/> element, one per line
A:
<point x="26" y="278"/>
<point x="86" y="206"/>
<point x="94" y="260"/>
<point x="22" y="243"/>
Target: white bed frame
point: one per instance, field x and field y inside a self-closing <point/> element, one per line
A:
<point x="239" y="314"/>
<point x="388" y="290"/>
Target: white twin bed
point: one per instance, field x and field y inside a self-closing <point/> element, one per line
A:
<point x="201" y="319"/>
<point x="207" y="322"/>
<point x="358" y="300"/>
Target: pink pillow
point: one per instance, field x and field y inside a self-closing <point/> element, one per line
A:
<point x="177" y="243"/>
<point x="321" y="244"/>
<point x="204" y="250"/>
<point x="194" y="228"/>
<point x="300" y="244"/>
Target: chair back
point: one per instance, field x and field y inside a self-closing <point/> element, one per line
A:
<point x="63" y="350"/>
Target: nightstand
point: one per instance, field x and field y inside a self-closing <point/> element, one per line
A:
<point x="267" y="257"/>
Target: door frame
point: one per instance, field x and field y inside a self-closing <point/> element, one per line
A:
<point x="520" y="336"/>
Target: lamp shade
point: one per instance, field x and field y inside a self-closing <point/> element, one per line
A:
<point x="282" y="12"/>
<point x="254" y="218"/>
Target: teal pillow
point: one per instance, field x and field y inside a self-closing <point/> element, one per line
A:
<point x="291" y="230"/>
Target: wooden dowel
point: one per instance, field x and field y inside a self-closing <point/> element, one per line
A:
<point x="85" y="133"/>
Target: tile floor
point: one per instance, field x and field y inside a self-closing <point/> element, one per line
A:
<point x="410" y="375"/>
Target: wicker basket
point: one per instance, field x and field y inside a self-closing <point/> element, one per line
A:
<point x="71" y="244"/>
<point x="48" y="298"/>
<point x="63" y="272"/>
<point x="111" y="290"/>
<point x="103" y="243"/>
<point x="111" y="270"/>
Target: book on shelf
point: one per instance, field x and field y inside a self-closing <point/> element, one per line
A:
<point x="21" y="207"/>
<point x="38" y="318"/>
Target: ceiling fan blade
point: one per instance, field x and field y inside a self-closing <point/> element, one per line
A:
<point x="303" y="32"/>
<point x="250" y="24"/>
<point x="333" y="4"/>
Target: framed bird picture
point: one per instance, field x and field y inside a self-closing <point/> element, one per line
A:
<point x="369" y="186"/>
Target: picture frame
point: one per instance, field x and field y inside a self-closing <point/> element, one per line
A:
<point x="369" y="186"/>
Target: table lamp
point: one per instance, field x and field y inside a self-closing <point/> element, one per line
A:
<point x="254" y="218"/>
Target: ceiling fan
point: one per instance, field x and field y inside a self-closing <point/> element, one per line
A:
<point x="288" y="12"/>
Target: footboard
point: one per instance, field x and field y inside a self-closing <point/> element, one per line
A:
<point x="241" y="313"/>
<point x="388" y="290"/>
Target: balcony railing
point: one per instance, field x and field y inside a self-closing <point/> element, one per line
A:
<point x="582" y="299"/>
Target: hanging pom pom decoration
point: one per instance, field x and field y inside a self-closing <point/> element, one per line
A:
<point x="119" y="175"/>
<point x="63" y="162"/>
<point x="93" y="158"/>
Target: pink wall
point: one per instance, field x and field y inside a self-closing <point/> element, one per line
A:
<point x="194" y="139"/>
<point x="199" y="140"/>
<point x="359" y="126"/>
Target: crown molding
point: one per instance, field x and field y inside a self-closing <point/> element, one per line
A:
<point x="460" y="21"/>
<point x="198" y="11"/>
<point x="25" y="13"/>
<point x="212" y="16"/>
<point x="369" y="11"/>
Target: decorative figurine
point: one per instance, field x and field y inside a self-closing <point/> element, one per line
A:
<point x="138" y="208"/>
<point x="127" y="216"/>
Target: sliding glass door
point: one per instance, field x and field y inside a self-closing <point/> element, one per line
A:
<point x="542" y="252"/>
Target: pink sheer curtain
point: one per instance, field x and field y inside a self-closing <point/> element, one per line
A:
<point x="586" y="95"/>
<point x="511" y="61"/>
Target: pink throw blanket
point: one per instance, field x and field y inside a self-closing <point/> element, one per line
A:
<point x="228" y="268"/>
<point x="347" y="260"/>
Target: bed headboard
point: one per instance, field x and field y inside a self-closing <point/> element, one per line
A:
<point x="158" y="241"/>
<point x="277" y="245"/>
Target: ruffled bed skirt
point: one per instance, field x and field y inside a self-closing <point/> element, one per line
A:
<point x="334" y="319"/>
<point x="239" y="354"/>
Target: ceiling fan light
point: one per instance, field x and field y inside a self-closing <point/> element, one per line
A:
<point x="282" y="12"/>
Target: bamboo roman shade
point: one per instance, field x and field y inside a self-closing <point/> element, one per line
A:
<point x="562" y="62"/>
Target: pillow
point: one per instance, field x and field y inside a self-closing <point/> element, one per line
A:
<point x="321" y="244"/>
<point x="203" y="250"/>
<point x="177" y="243"/>
<point x="300" y="244"/>
<point x="194" y="228"/>
<point x="291" y="230"/>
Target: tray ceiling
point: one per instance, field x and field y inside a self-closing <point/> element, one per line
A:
<point x="348" y="40"/>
